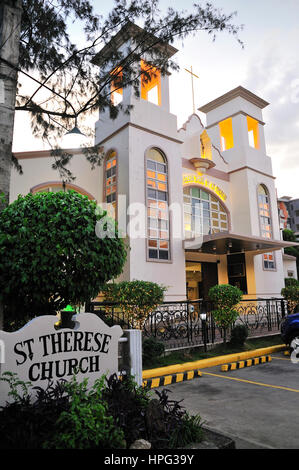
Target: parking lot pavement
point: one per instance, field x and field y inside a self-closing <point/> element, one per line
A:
<point x="258" y="406"/>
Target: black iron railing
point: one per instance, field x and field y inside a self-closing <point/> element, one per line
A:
<point x="181" y="323"/>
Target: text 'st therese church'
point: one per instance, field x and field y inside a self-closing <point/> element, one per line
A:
<point x="199" y="203"/>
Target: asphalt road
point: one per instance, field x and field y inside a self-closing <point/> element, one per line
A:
<point x="257" y="406"/>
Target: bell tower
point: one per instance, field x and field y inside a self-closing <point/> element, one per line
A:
<point x="236" y="126"/>
<point x="147" y="178"/>
<point x="151" y="109"/>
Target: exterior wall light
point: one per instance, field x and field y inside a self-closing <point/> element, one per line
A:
<point x="202" y="164"/>
<point x="75" y="130"/>
<point x="203" y="316"/>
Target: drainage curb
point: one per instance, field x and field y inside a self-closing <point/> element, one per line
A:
<point x="211" y="362"/>
<point x="171" y="379"/>
<point x="246" y="363"/>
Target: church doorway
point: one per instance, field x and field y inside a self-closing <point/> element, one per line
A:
<point x="200" y="277"/>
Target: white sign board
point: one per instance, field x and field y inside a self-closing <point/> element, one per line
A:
<point x="39" y="352"/>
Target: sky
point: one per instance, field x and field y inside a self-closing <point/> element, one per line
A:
<point x="268" y="65"/>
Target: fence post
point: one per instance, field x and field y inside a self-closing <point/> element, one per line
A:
<point x="283" y="312"/>
<point x="134" y="354"/>
<point x="268" y="307"/>
<point x="190" y="311"/>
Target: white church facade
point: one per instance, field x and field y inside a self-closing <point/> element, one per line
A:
<point x="198" y="204"/>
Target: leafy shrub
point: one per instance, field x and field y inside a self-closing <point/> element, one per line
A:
<point x="291" y="281"/>
<point x="26" y="424"/>
<point x="239" y="335"/>
<point x="291" y="294"/>
<point x="86" y="423"/>
<point x="136" y="298"/>
<point x="163" y="422"/>
<point x="179" y="427"/>
<point x="111" y="415"/>
<point x="127" y="404"/>
<point x="226" y="297"/>
<point x="50" y="254"/>
<point x="151" y="349"/>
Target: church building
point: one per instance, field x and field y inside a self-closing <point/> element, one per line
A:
<point x="198" y="204"/>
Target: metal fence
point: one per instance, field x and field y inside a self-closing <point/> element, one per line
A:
<point x="190" y="323"/>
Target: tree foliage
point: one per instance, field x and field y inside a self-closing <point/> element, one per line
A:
<point x="291" y="294"/>
<point x="226" y="297"/>
<point x="68" y="74"/>
<point x="50" y="255"/>
<point x="137" y="299"/>
<point x="290" y="236"/>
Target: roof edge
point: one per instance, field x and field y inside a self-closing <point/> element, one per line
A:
<point x="230" y="95"/>
<point x="129" y="30"/>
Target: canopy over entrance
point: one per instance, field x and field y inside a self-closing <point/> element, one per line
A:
<point x="228" y="243"/>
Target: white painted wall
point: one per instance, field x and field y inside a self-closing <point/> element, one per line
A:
<point x="39" y="170"/>
<point x="171" y="274"/>
<point x="290" y="265"/>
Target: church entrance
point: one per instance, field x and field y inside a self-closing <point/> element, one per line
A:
<point x="200" y="277"/>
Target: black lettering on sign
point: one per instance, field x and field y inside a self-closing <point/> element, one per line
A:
<point x="25" y="355"/>
<point x="56" y="343"/>
<point x="32" y="372"/>
<point x="20" y="352"/>
<point x="78" y="340"/>
<point x="44" y="339"/>
<point x="67" y="341"/>
<point x="97" y="339"/>
<point x="105" y="346"/>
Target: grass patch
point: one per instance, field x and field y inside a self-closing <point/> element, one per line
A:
<point x="195" y="354"/>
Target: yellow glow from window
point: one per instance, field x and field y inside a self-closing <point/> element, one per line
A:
<point x="226" y="134"/>
<point x="253" y="132"/>
<point x="150" y="83"/>
<point x="116" y="86"/>
<point x="205" y="146"/>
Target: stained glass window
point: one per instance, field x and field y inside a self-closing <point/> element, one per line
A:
<point x="111" y="182"/>
<point x="157" y="206"/>
<point x="265" y="224"/>
<point x="203" y="213"/>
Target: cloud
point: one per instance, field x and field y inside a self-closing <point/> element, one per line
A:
<point x="273" y="74"/>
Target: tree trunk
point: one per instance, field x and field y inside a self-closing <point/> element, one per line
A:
<point x="10" y="27"/>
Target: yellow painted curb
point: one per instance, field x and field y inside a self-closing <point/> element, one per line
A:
<point x="211" y="362"/>
<point x="171" y="379"/>
<point x="245" y="363"/>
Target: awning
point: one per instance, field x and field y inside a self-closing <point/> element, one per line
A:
<point x="227" y="243"/>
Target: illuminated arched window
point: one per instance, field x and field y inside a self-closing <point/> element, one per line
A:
<point x="203" y="213"/>
<point x="150" y="83"/>
<point x="264" y="212"/>
<point x="205" y="146"/>
<point x="157" y="206"/>
<point x="265" y="224"/>
<point x="110" y="182"/>
<point x="226" y="134"/>
<point x="253" y="132"/>
<point x="116" y="86"/>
